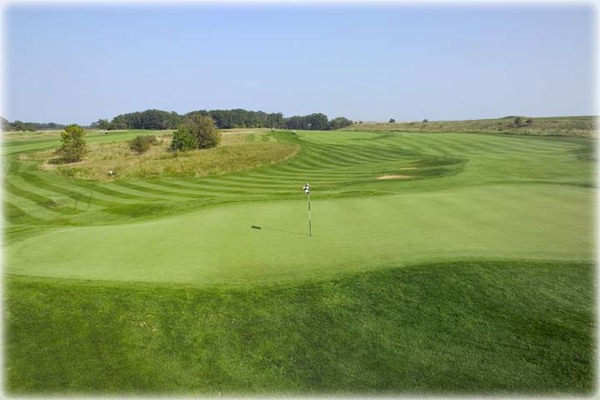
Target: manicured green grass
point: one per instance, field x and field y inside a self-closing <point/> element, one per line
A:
<point x="473" y="273"/>
<point x="218" y="245"/>
<point x="450" y="328"/>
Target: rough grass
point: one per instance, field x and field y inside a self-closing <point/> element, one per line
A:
<point x="238" y="151"/>
<point x="451" y="328"/>
<point x="581" y="126"/>
<point x="29" y="135"/>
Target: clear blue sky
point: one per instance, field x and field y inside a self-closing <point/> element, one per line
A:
<point x="77" y="63"/>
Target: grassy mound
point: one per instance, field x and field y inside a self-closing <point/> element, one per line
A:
<point x="238" y="151"/>
<point x="451" y="328"/>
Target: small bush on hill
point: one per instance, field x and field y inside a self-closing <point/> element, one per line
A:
<point x="183" y="140"/>
<point x="73" y="146"/>
<point x="142" y="144"/>
<point x="197" y="131"/>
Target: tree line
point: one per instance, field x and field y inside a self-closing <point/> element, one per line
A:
<point x="29" y="126"/>
<point x="223" y="119"/>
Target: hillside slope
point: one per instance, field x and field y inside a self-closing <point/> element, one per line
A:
<point x="580" y="126"/>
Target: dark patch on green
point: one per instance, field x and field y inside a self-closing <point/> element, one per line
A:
<point x="138" y="209"/>
<point x="14" y="214"/>
<point x="587" y="152"/>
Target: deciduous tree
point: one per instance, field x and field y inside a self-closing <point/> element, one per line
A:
<point x="339" y="122"/>
<point x="103" y="124"/>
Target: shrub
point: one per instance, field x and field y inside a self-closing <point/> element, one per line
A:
<point x="392" y="120"/>
<point x="196" y="131"/>
<point x="73" y="146"/>
<point x="205" y="131"/>
<point x="183" y="140"/>
<point x="339" y="122"/>
<point x="142" y="144"/>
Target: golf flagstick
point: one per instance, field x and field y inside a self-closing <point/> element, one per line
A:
<point x="307" y="191"/>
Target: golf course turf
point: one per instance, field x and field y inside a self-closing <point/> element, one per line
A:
<point x="469" y="269"/>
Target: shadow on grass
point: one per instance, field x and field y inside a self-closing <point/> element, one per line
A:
<point x="260" y="227"/>
<point x="59" y="161"/>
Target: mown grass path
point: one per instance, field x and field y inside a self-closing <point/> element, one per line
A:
<point x="471" y="273"/>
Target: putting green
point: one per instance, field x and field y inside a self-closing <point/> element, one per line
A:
<point x="218" y="246"/>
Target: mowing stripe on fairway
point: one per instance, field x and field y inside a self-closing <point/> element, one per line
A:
<point x="336" y="163"/>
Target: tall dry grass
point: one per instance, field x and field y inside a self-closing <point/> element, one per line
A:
<point x="239" y="150"/>
<point x="580" y="126"/>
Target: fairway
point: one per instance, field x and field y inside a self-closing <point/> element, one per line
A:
<point x="474" y="258"/>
